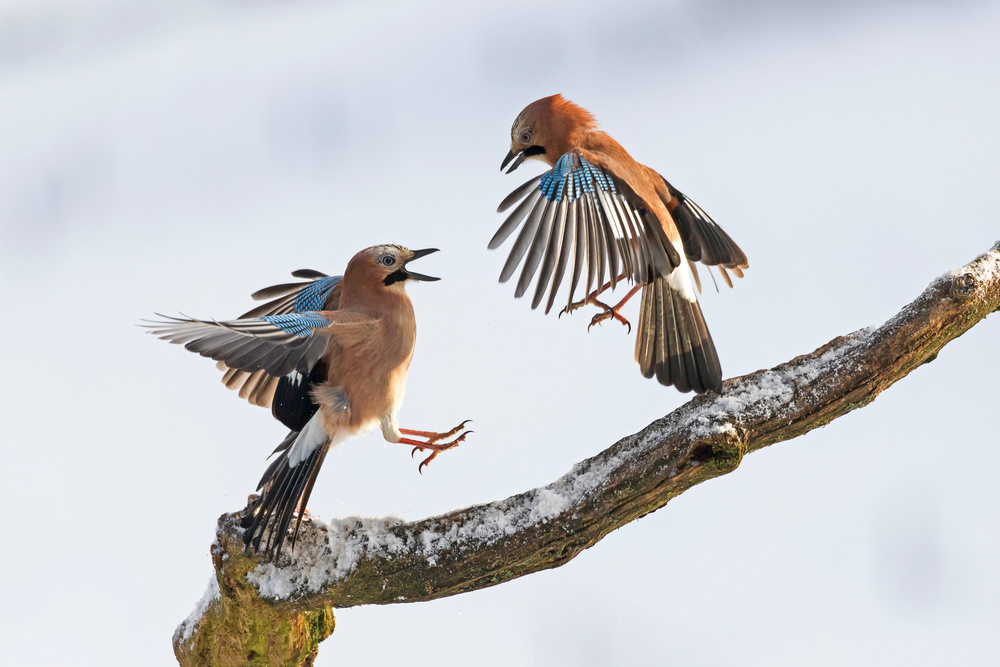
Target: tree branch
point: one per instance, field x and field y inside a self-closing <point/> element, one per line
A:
<point x="277" y="614"/>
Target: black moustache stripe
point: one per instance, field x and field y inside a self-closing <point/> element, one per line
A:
<point x="397" y="276"/>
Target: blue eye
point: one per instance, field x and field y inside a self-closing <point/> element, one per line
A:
<point x="526" y="136"/>
<point x="388" y="260"/>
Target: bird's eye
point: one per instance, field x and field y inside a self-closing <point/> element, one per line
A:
<point x="525" y="136"/>
<point x="388" y="260"/>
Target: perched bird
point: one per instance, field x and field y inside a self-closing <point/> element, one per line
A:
<point x="339" y="348"/>
<point x="598" y="207"/>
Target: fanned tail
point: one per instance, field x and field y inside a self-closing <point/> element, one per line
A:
<point x="285" y="489"/>
<point x="673" y="342"/>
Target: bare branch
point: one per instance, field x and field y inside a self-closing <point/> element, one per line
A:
<point x="383" y="561"/>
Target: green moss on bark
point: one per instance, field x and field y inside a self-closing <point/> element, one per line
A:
<point x="240" y="628"/>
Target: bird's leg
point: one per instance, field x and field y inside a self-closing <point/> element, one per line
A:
<point x="431" y="443"/>
<point x="592" y="297"/>
<point x="612" y="311"/>
<point x="434" y="436"/>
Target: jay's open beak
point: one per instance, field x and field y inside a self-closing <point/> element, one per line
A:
<point x="417" y="254"/>
<point x="510" y="156"/>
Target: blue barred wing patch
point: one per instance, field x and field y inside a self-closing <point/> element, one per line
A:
<point x="579" y="214"/>
<point x="299" y="324"/>
<point x="574" y="177"/>
<point x="314" y="295"/>
<point x="319" y="293"/>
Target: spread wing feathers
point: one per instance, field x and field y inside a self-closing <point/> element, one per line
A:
<point x="286" y="488"/>
<point x="704" y="240"/>
<point x="277" y="344"/>
<point x="673" y="342"/>
<point x="322" y="292"/>
<point x="577" y="214"/>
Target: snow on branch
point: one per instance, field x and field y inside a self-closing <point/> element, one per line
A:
<point x="357" y="561"/>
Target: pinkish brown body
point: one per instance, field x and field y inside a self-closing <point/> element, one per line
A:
<point x="658" y="233"/>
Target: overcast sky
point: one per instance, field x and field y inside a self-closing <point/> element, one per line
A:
<point x="178" y="156"/>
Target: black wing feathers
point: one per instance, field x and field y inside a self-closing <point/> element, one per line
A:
<point x="292" y="404"/>
<point x="704" y="240"/>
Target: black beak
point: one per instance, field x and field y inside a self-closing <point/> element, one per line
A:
<point x="510" y="156"/>
<point x="417" y="254"/>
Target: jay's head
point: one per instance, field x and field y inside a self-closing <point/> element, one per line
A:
<point x="387" y="264"/>
<point x="544" y="130"/>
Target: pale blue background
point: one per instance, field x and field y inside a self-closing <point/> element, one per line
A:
<point x="175" y="156"/>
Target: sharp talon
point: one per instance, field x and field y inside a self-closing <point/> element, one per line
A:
<point x="569" y="308"/>
<point x="433" y="445"/>
<point x="420" y="468"/>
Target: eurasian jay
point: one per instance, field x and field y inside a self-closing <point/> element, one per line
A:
<point x="331" y="357"/>
<point x="598" y="206"/>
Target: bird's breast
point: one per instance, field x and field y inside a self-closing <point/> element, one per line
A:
<point x="373" y="375"/>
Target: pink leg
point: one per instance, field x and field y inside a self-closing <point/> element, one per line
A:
<point x="431" y="442"/>
<point x="590" y="298"/>
<point x="612" y="311"/>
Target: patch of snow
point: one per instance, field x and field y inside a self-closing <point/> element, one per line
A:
<point x="550" y="504"/>
<point x="771" y="393"/>
<point x="325" y="553"/>
<point x="212" y="593"/>
<point x="985" y="269"/>
<point x="507" y="517"/>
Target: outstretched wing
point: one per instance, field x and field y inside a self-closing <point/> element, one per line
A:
<point x="704" y="240"/>
<point x="322" y="292"/>
<point x="275" y="344"/>
<point x="582" y="212"/>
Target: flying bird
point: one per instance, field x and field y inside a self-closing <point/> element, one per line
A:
<point x="330" y="357"/>
<point x="600" y="218"/>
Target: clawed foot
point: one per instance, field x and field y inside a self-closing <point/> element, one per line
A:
<point x="592" y="297"/>
<point x="608" y="313"/>
<point x="431" y="442"/>
<point x="575" y="305"/>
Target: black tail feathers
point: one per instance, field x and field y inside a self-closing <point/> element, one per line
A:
<point x="285" y="490"/>
<point x="673" y="342"/>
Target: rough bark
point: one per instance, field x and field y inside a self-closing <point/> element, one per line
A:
<point x="278" y="613"/>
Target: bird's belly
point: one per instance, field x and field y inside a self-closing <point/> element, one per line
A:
<point x="372" y="390"/>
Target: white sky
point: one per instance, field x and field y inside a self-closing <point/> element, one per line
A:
<point x="174" y="157"/>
